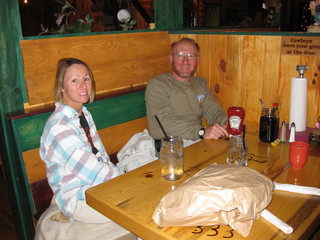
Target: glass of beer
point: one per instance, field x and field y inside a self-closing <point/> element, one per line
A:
<point x="171" y="158"/>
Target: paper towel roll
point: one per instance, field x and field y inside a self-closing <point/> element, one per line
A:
<point x="298" y="103"/>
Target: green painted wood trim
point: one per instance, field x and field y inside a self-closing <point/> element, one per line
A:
<point x="224" y="31"/>
<point x="117" y="110"/>
<point x="27" y="130"/>
<point x="106" y="113"/>
<point x="87" y="34"/>
<point x="168" y="14"/>
<point x="18" y="187"/>
<point x="12" y="95"/>
<point x="17" y="158"/>
<point x="11" y="87"/>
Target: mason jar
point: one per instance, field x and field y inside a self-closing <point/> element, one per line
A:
<point x="172" y="158"/>
<point x="269" y="125"/>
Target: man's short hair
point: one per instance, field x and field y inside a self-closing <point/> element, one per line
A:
<point x="190" y="40"/>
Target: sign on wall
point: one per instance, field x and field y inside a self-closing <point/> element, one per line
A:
<point x="304" y="46"/>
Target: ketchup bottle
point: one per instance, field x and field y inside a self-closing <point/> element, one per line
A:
<point x="235" y="120"/>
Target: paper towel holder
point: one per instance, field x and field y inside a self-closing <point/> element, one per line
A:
<point x="301" y="69"/>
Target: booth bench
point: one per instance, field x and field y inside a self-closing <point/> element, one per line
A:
<point x="121" y="63"/>
<point x="117" y="118"/>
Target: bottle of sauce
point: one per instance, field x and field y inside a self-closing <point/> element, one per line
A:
<point x="275" y="108"/>
<point x="235" y="120"/>
<point x="269" y="125"/>
<point x="237" y="151"/>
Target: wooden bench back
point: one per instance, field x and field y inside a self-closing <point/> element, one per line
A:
<point x="118" y="61"/>
<point x="117" y="119"/>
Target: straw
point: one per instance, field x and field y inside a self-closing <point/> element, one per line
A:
<point x="244" y="137"/>
<point x="262" y="104"/>
<point x="164" y="132"/>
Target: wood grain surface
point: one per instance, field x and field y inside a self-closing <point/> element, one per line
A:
<point x="117" y="60"/>
<point x="245" y="68"/>
<point x="240" y="69"/>
<point x="130" y="199"/>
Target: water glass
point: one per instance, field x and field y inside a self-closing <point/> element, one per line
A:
<point x="171" y="158"/>
<point x="237" y="154"/>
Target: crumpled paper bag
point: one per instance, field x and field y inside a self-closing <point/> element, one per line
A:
<point x="138" y="151"/>
<point x="219" y="194"/>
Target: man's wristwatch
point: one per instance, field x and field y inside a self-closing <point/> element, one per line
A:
<point x="201" y="133"/>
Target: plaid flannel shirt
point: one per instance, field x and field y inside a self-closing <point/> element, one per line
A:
<point x="71" y="166"/>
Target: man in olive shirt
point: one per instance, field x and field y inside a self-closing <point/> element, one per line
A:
<point x="180" y="100"/>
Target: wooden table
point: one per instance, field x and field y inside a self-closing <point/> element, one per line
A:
<point x="130" y="199"/>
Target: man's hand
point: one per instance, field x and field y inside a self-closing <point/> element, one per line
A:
<point x="215" y="131"/>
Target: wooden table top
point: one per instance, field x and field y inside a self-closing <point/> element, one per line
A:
<point x="130" y="199"/>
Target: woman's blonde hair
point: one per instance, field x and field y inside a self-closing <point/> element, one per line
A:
<point x="63" y="65"/>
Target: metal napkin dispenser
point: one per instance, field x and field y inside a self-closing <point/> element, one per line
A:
<point x="315" y="136"/>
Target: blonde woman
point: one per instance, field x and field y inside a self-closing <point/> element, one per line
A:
<point x="71" y="148"/>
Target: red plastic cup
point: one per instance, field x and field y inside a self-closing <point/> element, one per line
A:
<point x="298" y="154"/>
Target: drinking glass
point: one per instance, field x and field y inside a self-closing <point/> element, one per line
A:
<point x="269" y="125"/>
<point x="171" y="158"/>
<point x="298" y="154"/>
<point x="236" y="152"/>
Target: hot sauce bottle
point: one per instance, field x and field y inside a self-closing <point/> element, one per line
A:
<point x="235" y="120"/>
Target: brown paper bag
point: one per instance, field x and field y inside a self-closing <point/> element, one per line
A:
<point x="219" y="194"/>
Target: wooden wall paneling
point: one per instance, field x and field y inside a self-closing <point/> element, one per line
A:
<point x="255" y="68"/>
<point x="117" y="60"/>
<point x="234" y="70"/>
<point x="125" y="130"/>
<point x="192" y="36"/>
<point x="270" y="59"/>
<point x="124" y="74"/>
<point x="313" y="78"/>
<point x="287" y="67"/>
<point x="35" y="167"/>
<point x="204" y="67"/>
<point x="250" y="81"/>
<point x="174" y="37"/>
<point x="217" y="79"/>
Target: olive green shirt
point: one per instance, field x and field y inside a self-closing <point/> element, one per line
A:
<point x="180" y="106"/>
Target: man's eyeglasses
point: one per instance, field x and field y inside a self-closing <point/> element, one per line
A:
<point x="189" y="56"/>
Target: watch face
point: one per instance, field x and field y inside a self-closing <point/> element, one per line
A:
<point x="201" y="132"/>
